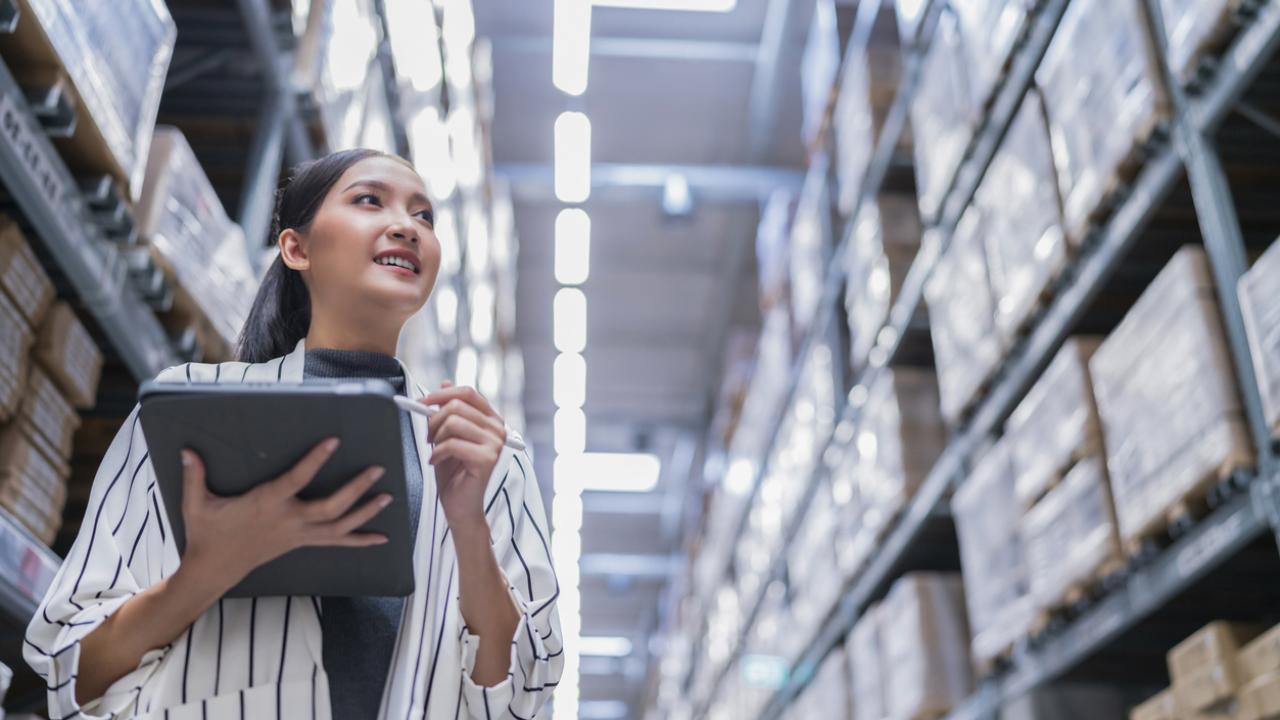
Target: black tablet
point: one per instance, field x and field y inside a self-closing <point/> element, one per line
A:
<point x="249" y="433"/>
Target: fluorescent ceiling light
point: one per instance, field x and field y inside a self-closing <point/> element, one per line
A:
<point x="570" y="429"/>
<point x="573" y="157"/>
<point x="569" y="320"/>
<point x="571" y="45"/>
<point x="676" y="199"/>
<point x="604" y="646"/>
<point x="601" y="709"/>
<point x="611" y="472"/>
<point x="694" y="5"/>
<point x="573" y="246"/>
<point x="569" y="381"/>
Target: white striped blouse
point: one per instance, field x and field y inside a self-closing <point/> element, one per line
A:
<point x="261" y="658"/>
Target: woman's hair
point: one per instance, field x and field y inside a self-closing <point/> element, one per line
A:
<point x="281" y="312"/>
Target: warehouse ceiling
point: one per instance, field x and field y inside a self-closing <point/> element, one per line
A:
<point x="714" y="97"/>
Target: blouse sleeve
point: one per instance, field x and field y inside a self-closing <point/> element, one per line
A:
<point x="518" y="525"/>
<point x="119" y="551"/>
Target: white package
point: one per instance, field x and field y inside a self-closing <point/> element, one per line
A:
<point x="866" y="664"/>
<point x="882" y="246"/>
<point x="1194" y="27"/>
<point x="943" y="113"/>
<point x="1259" y="292"/>
<point x="990" y="28"/>
<point x="925" y="645"/>
<point x="868" y="86"/>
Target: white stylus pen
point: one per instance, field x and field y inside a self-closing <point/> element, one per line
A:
<point x="514" y="441"/>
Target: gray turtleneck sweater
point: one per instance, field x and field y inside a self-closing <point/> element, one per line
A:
<point x="359" y="632"/>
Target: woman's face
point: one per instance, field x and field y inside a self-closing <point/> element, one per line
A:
<point x="376" y="214"/>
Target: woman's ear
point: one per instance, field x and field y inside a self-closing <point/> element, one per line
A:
<point x="293" y="252"/>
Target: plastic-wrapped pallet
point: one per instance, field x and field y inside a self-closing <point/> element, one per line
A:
<point x="192" y="237"/>
<point x="67" y="352"/>
<point x="21" y="276"/>
<point x="1070" y="535"/>
<point x="867" y="668"/>
<point x="868" y="85"/>
<point x="943" y="112"/>
<point x="854" y="541"/>
<point x="15" y="342"/>
<point x="990" y="29"/>
<point x="1104" y="97"/>
<point x="1259" y="292"/>
<point x="925" y="645"/>
<point x="882" y="246"/>
<point x="116" y="53"/>
<point x="812" y="567"/>
<point x="899" y="438"/>
<point x="810" y="248"/>
<point x="967" y="349"/>
<point x="992" y="557"/>
<point x="1195" y="27"/>
<point x="1167" y="397"/>
<point x="1026" y="248"/>
<point x="1056" y="423"/>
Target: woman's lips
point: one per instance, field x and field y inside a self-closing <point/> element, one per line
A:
<point x="397" y="269"/>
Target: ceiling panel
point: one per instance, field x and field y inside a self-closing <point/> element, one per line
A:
<point x="624" y="534"/>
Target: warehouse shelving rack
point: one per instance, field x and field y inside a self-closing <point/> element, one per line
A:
<point x="1149" y="586"/>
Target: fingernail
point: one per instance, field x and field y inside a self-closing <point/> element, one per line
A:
<point x="381" y="541"/>
<point x="384" y="501"/>
<point x="186" y="458"/>
<point x="331" y="444"/>
<point x="377" y="471"/>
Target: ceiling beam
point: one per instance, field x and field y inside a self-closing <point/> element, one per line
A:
<point x="638" y="48"/>
<point x="534" y="182"/>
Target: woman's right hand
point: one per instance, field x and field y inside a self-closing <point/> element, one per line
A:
<point x="227" y="537"/>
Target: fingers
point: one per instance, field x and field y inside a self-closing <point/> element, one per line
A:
<point x="468" y="453"/>
<point x="194" y="489"/>
<point x="460" y="409"/>
<point x="468" y="395"/>
<point x="465" y="428"/>
<point x="356" y="519"/>
<point x="333" y="507"/>
<point x="301" y="474"/>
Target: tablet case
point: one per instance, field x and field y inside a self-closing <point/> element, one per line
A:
<point x="247" y="434"/>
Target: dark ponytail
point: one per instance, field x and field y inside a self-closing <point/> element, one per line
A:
<point x="281" y="312"/>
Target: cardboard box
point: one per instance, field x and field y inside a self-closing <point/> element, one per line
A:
<point x="1194" y="28"/>
<point x="1262" y="655"/>
<point x="32" y="484"/>
<point x="22" y="277"/>
<point x="1056" y="423"/>
<point x="1168" y="399"/>
<point x="1070" y="536"/>
<point x="926" y="641"/>
<point x="50" y="414"/>
<point x="990" y="29"/>
<point x="1260" y="699"/>
<point x="867" y="667"/>
<point x="944" y="111"/>
<point x="882" y="246"/>
<point x="868" y="86"/>
<point x="15" y="344"/>
<point x="67" y="352"/>
<point x="1216" y="643"/>
<point x="1160" y="706"/>
<point x="996" y="583"/>
<point x="1259" y="292"/>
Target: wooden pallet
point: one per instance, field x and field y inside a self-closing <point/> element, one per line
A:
<point x="1001" y="661"/>
<point x="1204" y="62"/>
<point x="1079" y="597"/>
<point x="1212" y="490"/>
<point x="1117" y="185"/>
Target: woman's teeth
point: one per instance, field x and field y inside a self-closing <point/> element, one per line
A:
<point x="398" y="262"/>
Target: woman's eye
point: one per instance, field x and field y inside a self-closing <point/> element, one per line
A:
<point x="366" y="198"/>
<point x="428" y="216"/>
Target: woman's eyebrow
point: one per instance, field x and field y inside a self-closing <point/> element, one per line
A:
<point x="416" y="198"/>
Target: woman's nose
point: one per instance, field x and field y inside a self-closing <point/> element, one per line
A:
<point x="401" y="234"/>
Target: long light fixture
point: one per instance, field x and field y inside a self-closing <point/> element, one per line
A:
<point x="690" y="5"/>
<point x="611" y="472"/>
<point x="573" y="246"/>
<point x="569" y="320"/>
<point x="569" y="380"/>
<point x="570" y="429"/>
<point x="571" y="45"/>
<point x="604" y="646"/>
<point x="573" y="157"/>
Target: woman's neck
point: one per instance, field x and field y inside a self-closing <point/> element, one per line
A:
<point x="323" y="333"/>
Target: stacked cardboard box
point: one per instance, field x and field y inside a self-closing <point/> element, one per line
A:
<point x="1259" y="666"/>
<point x="967" y="348"/>
<point x="1056" y="423"/>
<point x="925" y="643"/>
<point x="987" y="517"/>
<point x="1104" y="95"/>
<point x="943" y="112"/>
<point x="812" y="567"/>
<point x="1259" y="292"/>
<point x="866" y="664"/>
<point x="1070" y="535"/>
<point x="67" y="352"/>
<point x="1026" y="248"/>
<point x="116" y="54"/>
<point x="15" y="344"/>
<point x="899" y="437"/>
<point x="33" y="485"/>
<point x="884" y="241"/>
<point x="1167" y="397"/>
<point x="201" y="250"/>
<point x="827" y="695"/>
<point x="1225" y="671"/>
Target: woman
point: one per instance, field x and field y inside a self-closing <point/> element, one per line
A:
<point x="126" y="630"/>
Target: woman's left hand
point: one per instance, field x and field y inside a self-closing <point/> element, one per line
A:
<point x="467" y="437"/>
